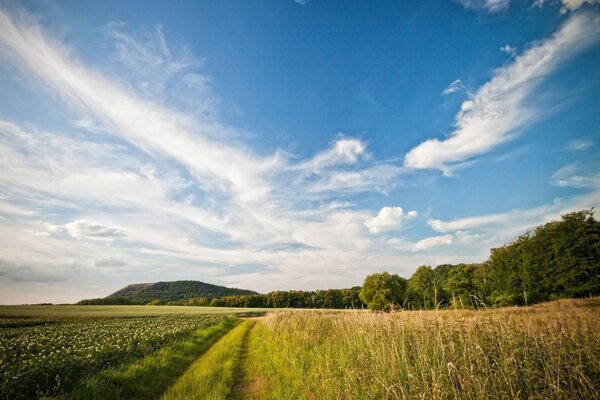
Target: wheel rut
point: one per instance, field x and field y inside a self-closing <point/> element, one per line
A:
<point x="241" y="386"/>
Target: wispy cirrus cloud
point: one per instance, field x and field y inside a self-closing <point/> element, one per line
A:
<point x="569" y="176"/>
<point x="488" y="6"/>
<point x="148" y="183"/>
<point x="423" y="244"/>
<point x="580" y="144"/>
<point x="453" y="87"/>
<point x="144" y="180"/>
<point x="499" y="109"/>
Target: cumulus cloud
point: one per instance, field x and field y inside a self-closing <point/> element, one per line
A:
<point x="389" y="218"/>
<point x="455" y="86"/>
<point x="488" y="6"/>
<point x="499" y="109"/>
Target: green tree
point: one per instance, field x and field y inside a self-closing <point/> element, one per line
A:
<point x="461" y="285"/>
<point x="422" y="290"/>
<point x="383" y="292"/>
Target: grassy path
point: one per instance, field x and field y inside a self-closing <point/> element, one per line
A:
<point x="219" y="373"/>
<point x="241" y="386"/>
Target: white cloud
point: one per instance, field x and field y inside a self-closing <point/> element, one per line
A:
<point x="567" y="176"/>
<point x="498" y="110"/>
<point x="389" y="218"/>
<point x="567" y="5"/>
<point x="580" y="144"/>
<point x="455" y="86"/>
<point x="489" y="6"/>
<point x="423" y="244"/>
<point x="505" y="226"/>
<point x="89" y="230"/>
<point x="344" y="151"/>
<point x="154" y="128"/>
<point x="143" y="182"/>
<point x="178" y="184"/>
<point x="508" y="49"/>
<point x="572" y="5"/>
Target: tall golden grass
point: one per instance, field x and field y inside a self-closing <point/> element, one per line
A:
<point x="546" y="351"/>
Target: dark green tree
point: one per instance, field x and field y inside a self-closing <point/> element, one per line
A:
<point x="422" y="290"/>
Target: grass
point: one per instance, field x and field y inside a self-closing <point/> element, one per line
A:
<point x="218" y="373"/>
<point x="151" y="376"/>
<point x="547" y="351"/>
<point x="74" y="311"/>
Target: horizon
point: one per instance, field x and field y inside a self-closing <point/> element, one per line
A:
<point x="289" y="145"/>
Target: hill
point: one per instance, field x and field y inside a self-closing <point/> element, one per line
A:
<point x="172" y="291"/>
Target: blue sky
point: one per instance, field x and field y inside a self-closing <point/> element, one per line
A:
<point x="285" y="144"/>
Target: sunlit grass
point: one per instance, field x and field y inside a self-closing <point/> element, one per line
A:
<point x="547" y="351"/>
<point x="215" y="374"/>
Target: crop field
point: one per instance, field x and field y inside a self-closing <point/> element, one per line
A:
<point x="550" y="350"/>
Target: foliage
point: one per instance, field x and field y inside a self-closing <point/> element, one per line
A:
<point x="422" y="290"/>
<point x="112" y="301"/>
<point x="383" y="292"/>
<point x="558" y="259"/>
<point x="142" y="293"/>
<point x="331" y="298"/>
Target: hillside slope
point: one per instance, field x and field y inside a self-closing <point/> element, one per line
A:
<point x="177" y="290"/>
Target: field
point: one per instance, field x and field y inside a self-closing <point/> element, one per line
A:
<point x="551" y="350"/>
<point x="71" y="311"/>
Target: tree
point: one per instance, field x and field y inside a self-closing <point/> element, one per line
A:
<point x="558" y="259"/>
<point x="422" y="290"/>
<point x="383" y="292"/>
<point x="461" y="284"/>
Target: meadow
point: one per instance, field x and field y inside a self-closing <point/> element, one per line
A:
<point x="550" y="350"/>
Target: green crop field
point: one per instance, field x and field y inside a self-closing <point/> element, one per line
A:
<point x="551" y="350"/>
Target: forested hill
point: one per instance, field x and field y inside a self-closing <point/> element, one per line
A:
<point x="173" y="291"/>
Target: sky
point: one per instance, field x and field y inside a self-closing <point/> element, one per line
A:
<point x="277" y="145"/>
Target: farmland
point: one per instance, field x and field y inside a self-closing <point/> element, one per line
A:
<point x="551" y="350"/>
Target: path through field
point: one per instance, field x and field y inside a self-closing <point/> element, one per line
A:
<point x="219" y="373"/>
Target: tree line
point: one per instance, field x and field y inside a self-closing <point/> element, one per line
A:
<point x="555" y="260"/>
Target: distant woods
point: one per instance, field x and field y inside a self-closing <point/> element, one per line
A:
<point x="556" y="260"/>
